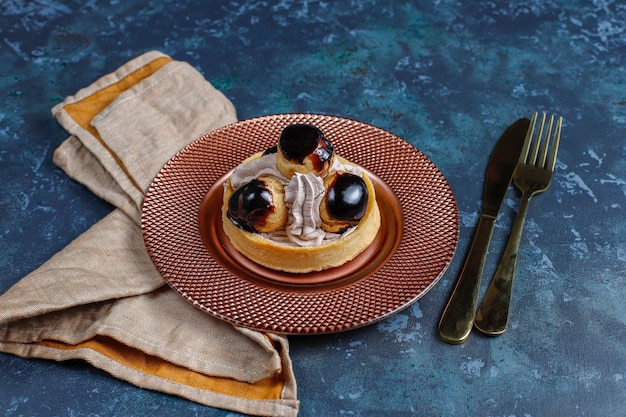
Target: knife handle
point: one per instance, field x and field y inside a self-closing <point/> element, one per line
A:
<point x="458" y="317"/>
<point x="493" y="314"/>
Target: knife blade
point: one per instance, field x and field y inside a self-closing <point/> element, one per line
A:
<point x="458" y="316"/>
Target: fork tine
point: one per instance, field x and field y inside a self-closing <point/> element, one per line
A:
<point x="555" y="145"/>
<point x="545" y="146"/>
<point x="532" y="158"/>
<point x="528" y="140"/>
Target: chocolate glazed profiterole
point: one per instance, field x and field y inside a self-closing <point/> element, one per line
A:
<point x="298" y="207"/>
<point x="304" y="148"/>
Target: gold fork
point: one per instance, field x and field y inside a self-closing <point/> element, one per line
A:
<point x="532" y="176"/>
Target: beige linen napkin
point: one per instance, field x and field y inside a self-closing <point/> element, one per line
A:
<point x="101" y="299"/>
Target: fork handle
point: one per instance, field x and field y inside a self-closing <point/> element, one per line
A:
<point x="493" y="314"/>
<point x="457" y="318"/>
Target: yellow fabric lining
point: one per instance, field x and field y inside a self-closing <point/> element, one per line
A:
<point x="265" y="389"/>
<point x="85" y="110"/>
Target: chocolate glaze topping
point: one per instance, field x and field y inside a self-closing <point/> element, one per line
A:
<point x="250" y="205"/>
<point x="346" y="197"/>
<point x="271" y="150"/>
<point x="297" y="141"/>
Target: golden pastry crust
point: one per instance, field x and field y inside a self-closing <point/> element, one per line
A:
<point x="288" y="168"/>
<point x="278" y="218"/>
<point x="297" y="259"/>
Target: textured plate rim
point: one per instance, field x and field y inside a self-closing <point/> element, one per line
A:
<point x="376" y="296"/>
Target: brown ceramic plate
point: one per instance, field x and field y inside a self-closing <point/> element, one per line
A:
<point x="182" y="229"/>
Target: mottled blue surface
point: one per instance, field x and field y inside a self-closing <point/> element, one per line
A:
<point x="446" y="75"/>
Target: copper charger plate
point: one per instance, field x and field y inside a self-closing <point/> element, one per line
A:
<point x="182" y="230"/>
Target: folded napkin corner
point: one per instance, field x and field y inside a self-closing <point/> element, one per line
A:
<point x="101" y="299"/>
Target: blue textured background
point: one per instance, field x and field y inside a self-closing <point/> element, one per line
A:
<point x="448" y="76"/>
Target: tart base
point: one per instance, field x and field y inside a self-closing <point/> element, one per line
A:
<point x="296" y="259"/>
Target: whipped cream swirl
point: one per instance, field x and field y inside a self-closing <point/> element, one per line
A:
<point x="263" y="166"/>
<point x="303" y="196"/>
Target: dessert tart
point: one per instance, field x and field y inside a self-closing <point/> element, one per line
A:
<point x="297" y="207"/>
